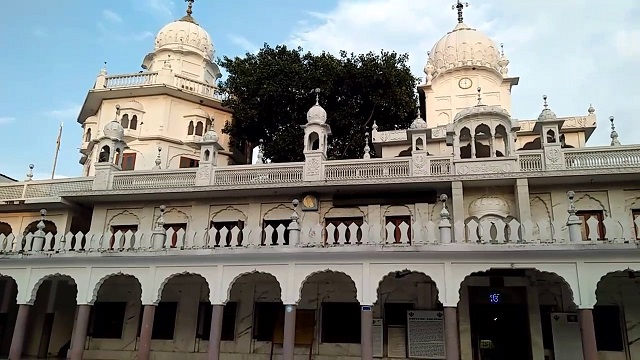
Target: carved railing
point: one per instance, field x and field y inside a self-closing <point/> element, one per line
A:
<point x="128" y="80"/>
<point x="43" y="188"/>
<point x="259" y="174"/>
<point x="530" y="161"/>
<point x="367" y="169"/>
<point x="604" y="157"/>
<point x="480" y="232"/>
<point x="198" y="87"/>
<point x="159" y="179"/>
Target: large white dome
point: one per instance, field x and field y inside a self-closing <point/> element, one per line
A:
<point x="184" y="35"/>
<point x="464" y="47"/>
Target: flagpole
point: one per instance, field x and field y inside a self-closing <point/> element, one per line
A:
<point x="55" y="159"/>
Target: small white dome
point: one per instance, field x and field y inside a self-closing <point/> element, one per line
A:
<point x="546" y="114"/>
<point x="481" y="110"/>
<point x="185" y="34"/>
<point x="316" y="115"/>
<point x="418" y="123"/>
<point x="210" y="136"/>
<point x="488" y="205"/>
<point x="199" y="112"/>
<point x="113" y="130"/>
<point x="132" y="105"/>
<point x="464" y="47"/>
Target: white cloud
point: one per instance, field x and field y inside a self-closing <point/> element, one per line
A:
<point x="161" y="8"/>
<point x="243" y="42"/>
<point x="70" y="112"/>
<point x="6" y="119"/>
<point x="111" y="16"/>
<point x="577" y="52"/>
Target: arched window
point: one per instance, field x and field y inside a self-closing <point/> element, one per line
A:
<point x="116" y="158"/>
<point x="5" y="229"/>
<point x="199" y="128"/>
<point x="419" y="144"/>
<point x="105" y="154"/>
<point x="190" y="128"/>
<point x="125" y="121"/>
<point x="87" y="136"/>
<point x="551" y="137"/>
<point x="314" y="141"/>
<point x="133" y="125"/>
<point x="206" y="155"/>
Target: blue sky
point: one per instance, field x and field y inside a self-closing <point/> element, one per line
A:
<point x="577" y="52"/>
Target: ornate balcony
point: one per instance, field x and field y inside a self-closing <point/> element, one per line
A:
<point x="527" y="164"/>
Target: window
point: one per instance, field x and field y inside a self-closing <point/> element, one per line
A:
<point x="190" y="128"/>
<point x="128" y="161"/>
<point x="133" y="124"/>
<point x="606" y="321"/>
<point x="228" y="321"/>
<point x="585" y="216"/>
<point x="635" y="214"/>
<point x="218" y="225"/>
<point x="397" y="220"/>
<point x="175" y="227"/>
<point x="347" y="221"/>
<point x="274" y="236"/>
<point x="199" y="128"/>
<point x="186" y="162"/>
<point x="265" y="317"/>
<point x="107" y="320"/>
<point x="124" y="121"/>
<point x="341" y="323"/>
<point x="87" y="137"/>
<point x="164" y="320"/>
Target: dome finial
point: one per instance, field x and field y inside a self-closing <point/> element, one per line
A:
<point x="546" y="105"/>
<point x="479" y="96"/>
<point x="614" y="133"/>
<point x="460" y="5"/>
<point x="189" y="7"/>
<point x="317" y="91"/>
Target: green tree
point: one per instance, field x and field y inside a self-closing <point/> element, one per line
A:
<point x="272" y="92"/>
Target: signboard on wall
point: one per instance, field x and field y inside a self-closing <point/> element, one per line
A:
<point x="378" y="334"/>
<point x="425" y="334"/>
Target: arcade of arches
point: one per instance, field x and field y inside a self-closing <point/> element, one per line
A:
<point x="500" y="314"/>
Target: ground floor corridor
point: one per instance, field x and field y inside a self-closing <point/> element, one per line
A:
<point x="328" y="311"/>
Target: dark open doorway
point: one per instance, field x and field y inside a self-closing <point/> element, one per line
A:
<point x="499" y="323"/>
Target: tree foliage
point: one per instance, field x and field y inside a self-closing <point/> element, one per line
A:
<point x="272" y="92"/>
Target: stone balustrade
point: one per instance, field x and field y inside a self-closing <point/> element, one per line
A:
<point x="487" y="231"/>
<point x="526" y="164"/>
<point x="162" y="77"/>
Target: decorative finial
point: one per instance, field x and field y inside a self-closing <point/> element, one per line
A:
<point x="103" y="71"/>
<point x="160" y="222"/>
<point x="572" y="207"/>
<point x="317" y="91"/>
<point x="479" y="95"/>
<point x="591" y="109"/>
<point x="189" y="7"/>
<point x="117" y="113"/>
<point x="375" y="126"/>
<point x="502" y="49"/>
<point x="30" y="172"/>
<point x="367" y="149"/>
<point x="614" y="133"/>
<point x="158" y="160"/>
<point x="41" y="225"/>
<point x="444" y="213"/>
<point x="260" y="156"/>
<point x="546" y="105"/>
<point x="294" y="214"/>
<point x="460" y="5"/>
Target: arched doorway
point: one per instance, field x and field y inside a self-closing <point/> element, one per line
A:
<point x="407" y="300"/>
<point x="517" y="313"/>
<point x="328" y="315"/>
<point x="51" y="318"/>
<point x="616" y="313"/>
<point x="8" y="312"/>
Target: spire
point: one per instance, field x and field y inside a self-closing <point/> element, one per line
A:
<point x="317" y="91"/>
<point x="614" y="133"/>
<point x="188" y="17"/>
<point x="479" y="96"/>
<point x="367" y="149"/>
<point x="546" y="105"/>
<point x="158" y="160"/>
<point x="459" y="5"/>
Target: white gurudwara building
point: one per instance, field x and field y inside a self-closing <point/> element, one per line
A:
<point x="471" y="235"/>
